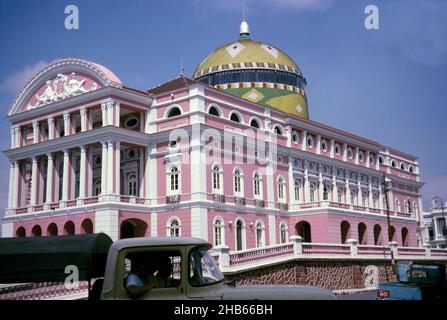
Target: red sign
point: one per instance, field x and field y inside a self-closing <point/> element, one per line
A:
<point x="383" y="293"/>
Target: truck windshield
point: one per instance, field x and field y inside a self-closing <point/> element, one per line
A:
<point x="202" y="269"/>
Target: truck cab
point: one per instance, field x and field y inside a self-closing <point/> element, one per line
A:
<point x="194" y="273"/>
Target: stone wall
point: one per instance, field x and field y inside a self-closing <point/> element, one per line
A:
<point x="333" y="275"/>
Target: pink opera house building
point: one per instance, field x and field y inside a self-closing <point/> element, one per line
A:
<point x="229" y="156"/>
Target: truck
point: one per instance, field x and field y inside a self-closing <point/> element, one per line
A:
<point x="416" y="281"/>
<point x="106" y="266"/>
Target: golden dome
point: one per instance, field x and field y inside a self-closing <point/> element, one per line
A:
<point x="257" y="72"/>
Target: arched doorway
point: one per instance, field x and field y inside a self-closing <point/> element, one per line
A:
<point x="362" y="233"/>
<point x="239" y="226"/>
<point x="69" y="228"/>
<point x="36" y="231"/>
<point x="87" y="226"/>
<point x="21" y="232"/>
<point x="303" y="229"/>
<point x="345" y="230"/>
<point x="404" y="237"/>
<point x="378" y="235"/>
<point x="132" y="228"/>
<point x="52" y="229"/>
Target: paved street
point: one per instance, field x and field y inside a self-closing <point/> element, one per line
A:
<point x="365" y="295"/>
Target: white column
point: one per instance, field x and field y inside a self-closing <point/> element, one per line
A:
<point x="381" y="198"/>
<point x="110" y="166"/>
<point x="65" y="174"/>
<point x="50" y="169"/>
<point x="370" y="197"/>
<point x="35" y="132"/>
<point x="359" y="193"/>
<point x="151" y="172"/>
<point x="348" y="192"/>
<point x="141" y="175"/>
<point x="270" y="185"/>
<point x="90" y="119"/>
<point x="318" y="144"/>
<point x="357" y="151"/>
<point x="15" y="194"/>
<point x="320" y="186"/>
<point x="18" y="137"/>
<point x="90" y="172"/>
<point x="83" y="119"/>
<point x="104" y="164"/>
<point x="334" y="186"/>
<point x="33" y="182"/>
<point x="118" y="167"/>
<point x="345" y="152"/>
<point x="332" y="148"/>
<point x="272" y="230"/>
<point x="306" y="182"/>
<point x="82" y="173"/>
<point x="66" y="124"/>
<point x="291" y="179"/>
<point x="304" y="141"/>
<point x="368" y="155"/>
<point x="198" y="167"/>
<point x="12" y="184"/>
<point x="104" y="114"/>
<point x="13" y="138"/>
<point x="117" y="113"/>
<point x="51" y="128"/>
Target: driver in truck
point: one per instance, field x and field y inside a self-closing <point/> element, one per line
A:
<point x="141" y="279"/>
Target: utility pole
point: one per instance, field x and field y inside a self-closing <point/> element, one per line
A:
<point x="386" y="188"/>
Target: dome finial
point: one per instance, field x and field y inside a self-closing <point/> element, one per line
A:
<point x="244" y="30"/>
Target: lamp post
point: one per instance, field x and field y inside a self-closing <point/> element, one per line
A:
<point x="385" y="183"/>
<point x="434" y="198"/>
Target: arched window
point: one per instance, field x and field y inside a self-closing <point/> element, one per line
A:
<point x="362" y="233"/>
<point x="132" y="184"/>
<point x="52" y="229"/>
<point x="283" y="233"/>
<point x="87" y="226"/>
<point x="217" y="179"/>
<point x="174" y="178"/>
<point x="21" y="232"/>
<point x="404" y="237"/>
<point x="238" y="182"/>
<point x="174" y="112"/>
<point x="325" y="192"/>
<point x="257" y="186"/>
<point x="36" y="231"/>
<point x="393" y="163"/>
<point x="297" y="190"/>
<point x="260" y="234"/>
<point x="235" y="117"/>
<point x="353" y="197"/>
<point x="374" y="201"/>
<point x="345" y="231"/>
<point x="364" y="199"/>
<point x="407" y="206"/>
<point x="303" y="229"/>
<point x="340" y="195"/>
<point x="312" y="192"/>
<point x="173" y="228"/>
<point x="281" y="189"/>
<point x="254" y="123"/>
<point x="377" y="235"/>
<point x="398" y="206"/>
<point x="392" y="233"/>
<point x="218" y="232"/>
<point x="278" y="130"/>
<point x="97" y="187"/>
<point x="239" y="234"/>
<point x="213" y="111"/>
<point x="69" y="228"/>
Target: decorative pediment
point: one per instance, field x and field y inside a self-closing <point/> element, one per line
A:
<point x="61" y="80"/>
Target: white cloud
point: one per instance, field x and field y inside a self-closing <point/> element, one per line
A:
<point x="16" y="80"/>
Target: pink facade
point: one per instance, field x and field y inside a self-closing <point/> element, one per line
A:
<point x="130" y="176"/>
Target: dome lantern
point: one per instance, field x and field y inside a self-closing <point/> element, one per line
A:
<point x="244" y="30"/>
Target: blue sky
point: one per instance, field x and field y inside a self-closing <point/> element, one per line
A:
<point x="388" y="85"/>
